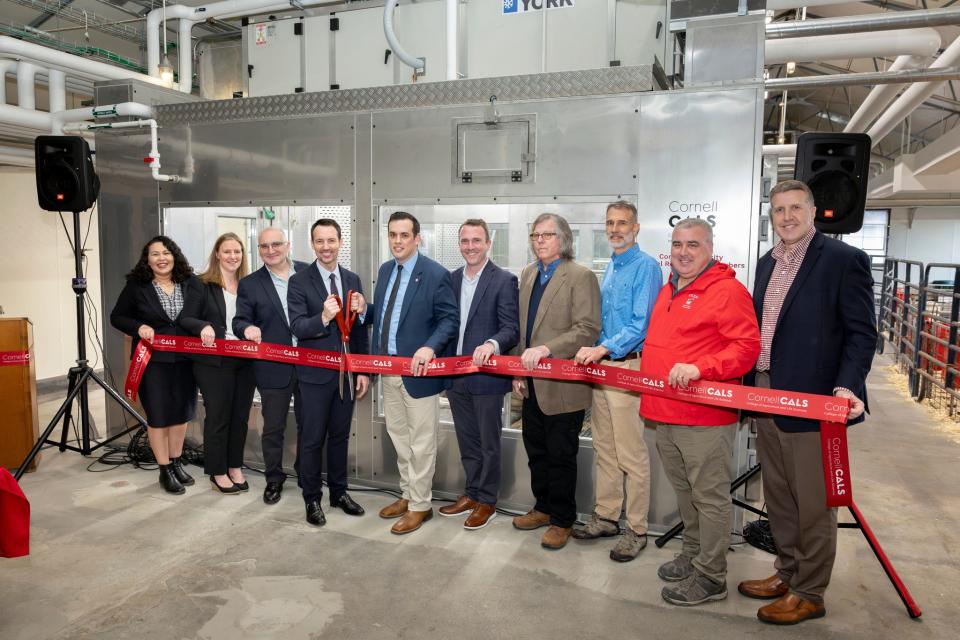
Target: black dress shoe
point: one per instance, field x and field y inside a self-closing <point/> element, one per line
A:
<point x="315" y="514"/>
<point x="230" y="491"/>
<point x="168" y="480"/>
<point x="272" y="492"/>
<point x="349" y="507"/>
<point x="185" y="478"/>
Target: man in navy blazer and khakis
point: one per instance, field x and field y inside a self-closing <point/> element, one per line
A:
<point x="414" y="315"/>
<point x="327" y="408"/>
<point x="262" y="316"/>
<point x="814" y="299"/>
<point x="487" y="298"/>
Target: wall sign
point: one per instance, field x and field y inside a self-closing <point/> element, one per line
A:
<point x="511" y="7"/>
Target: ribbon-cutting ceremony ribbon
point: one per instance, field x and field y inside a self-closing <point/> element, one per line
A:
<point x="13" y="358"/>
<point x="829" y="410"/>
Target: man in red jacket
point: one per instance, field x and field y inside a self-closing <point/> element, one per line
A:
<point x="703" y="326"/>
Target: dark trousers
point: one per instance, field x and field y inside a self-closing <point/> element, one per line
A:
<point x="478" y="421"/>
<point x="803" y="527"/>
<point x="227" y="397"/>
<point x="552" y="444"/>
<point x="326" y="418"/>
<point x="274" y="407"/>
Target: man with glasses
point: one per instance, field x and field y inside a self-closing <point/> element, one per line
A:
<point x="262" y="316"/>
<point x="559" y="312"/>
<point x="628" y="290"/>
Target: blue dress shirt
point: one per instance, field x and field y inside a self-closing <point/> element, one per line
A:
<point x="408" y="269"/>
<point x="627" y="293"/>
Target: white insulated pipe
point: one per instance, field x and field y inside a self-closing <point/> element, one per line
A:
<point x="74" y="65"/>
<point x="417" y="64"/>
<point x="57" y="88"/>
<point x="913" y="97"/>
<point x="6" y="66"/>
<point x="452" y="44"/>
<point x="781" y="5"/>
<point x="880" y="96"/>
<point x="26" y="85"/>
<point x="921" y="42"/>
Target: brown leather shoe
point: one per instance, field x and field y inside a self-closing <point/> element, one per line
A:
<point x="790" y="609"/>
<point x="480" y="517"/>
<point x="555" y="537"/>
<point x="531" y="520"/>
<point x="394" y="509"/>
<point x="461" y="506"/>
<point x="766" y="589"/>
<point x="411" y="521"/>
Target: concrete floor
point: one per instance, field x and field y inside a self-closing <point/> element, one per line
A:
<point x="114" y="557"/>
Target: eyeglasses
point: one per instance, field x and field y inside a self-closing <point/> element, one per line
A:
<point x="549" y="235"/>
<point x="270" y="245"/>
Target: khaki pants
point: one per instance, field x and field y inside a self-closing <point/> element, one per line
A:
<point x="697" y="463"/>
<point x="623" y="462"/>
<point x="412" y="425"/>
<point x="803" y="527"/>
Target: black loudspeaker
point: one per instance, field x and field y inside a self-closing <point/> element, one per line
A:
<point x="66" y="180"/>
<point x="834" y="166"/>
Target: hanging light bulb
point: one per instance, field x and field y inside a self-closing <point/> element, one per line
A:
<point x="166" y="71"/>
<point x="791" y="68"/>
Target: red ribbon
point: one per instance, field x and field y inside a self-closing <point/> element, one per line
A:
<point x="13" y="358"/>
<point x="829" y="410"/>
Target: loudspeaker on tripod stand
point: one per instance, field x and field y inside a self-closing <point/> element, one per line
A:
<point x="835" y="167"/>
<point x="66" y="180"/>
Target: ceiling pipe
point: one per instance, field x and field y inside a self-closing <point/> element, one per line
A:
<point x="916" y="94"/>
<point x="781" y="5"/>
<point x="880" y="96"/>
<point x="869" y="22"/>
<point x="6" y="66"/>
<point x="924" y="76"/>
<point x="84" y="68"/>
<point x="418" y="65"/>
<point x="57" y="88"/>
<point x="451" y="40"/>
<point x="26" y="87"/>
<point x="921" y="42"/>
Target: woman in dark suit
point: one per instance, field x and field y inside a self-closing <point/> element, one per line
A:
<point x="149" y="305"/>
<point x="227" y="384"/>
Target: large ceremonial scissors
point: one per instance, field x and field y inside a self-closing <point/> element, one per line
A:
<point x="345" y="321"/>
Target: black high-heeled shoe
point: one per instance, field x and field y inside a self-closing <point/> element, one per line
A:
<point x="168" y="480"/>
<point x="230" y="491"/>
<point x="185" y="478"/>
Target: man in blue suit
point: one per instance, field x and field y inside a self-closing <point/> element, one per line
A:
<point x="489" y="325"/>
<point x="314" y="306"/>
<point x="262" y="316"/>
<point x="414" y="315"/>
<point x="814" y="299"/>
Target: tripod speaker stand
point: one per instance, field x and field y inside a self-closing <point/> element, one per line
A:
<point x="66" y="181"/>
<point x="78" y="377"/>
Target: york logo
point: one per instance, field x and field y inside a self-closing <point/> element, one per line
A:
<point x="523" y="6"/>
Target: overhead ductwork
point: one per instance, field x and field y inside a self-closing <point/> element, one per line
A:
<point x="920" y="42"/>
<point x="887" y="21"/>
<point x="880" y="96"/>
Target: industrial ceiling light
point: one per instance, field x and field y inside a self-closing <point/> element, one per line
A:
<point x="166" y="71"/>
<point x="791" y="68"/>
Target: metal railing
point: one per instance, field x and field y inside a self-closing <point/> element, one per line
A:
<point x="919" y="317"/>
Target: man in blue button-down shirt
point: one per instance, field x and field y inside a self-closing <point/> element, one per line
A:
<point x="627" y="293"/>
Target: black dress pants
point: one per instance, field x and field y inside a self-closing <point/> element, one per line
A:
<point x="552" y="444"/>
<point x="227" y="397"/>
<point x="326" y="419"/>
<point x="274" y="407"/>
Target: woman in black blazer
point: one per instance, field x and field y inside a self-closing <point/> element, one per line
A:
<point x="149" y="305"/>
<point x="227" y="384"/>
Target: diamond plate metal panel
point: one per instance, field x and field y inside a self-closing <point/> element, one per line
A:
<point x="591" y="82"/>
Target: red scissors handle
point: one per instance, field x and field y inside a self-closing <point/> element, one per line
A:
<point x="346" y="317"/>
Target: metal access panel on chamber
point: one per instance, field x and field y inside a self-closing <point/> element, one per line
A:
<point x="274" y="58"/>
<point x="504" y="150"/>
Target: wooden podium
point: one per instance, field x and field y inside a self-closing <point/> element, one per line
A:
<point x="19" y="421"/>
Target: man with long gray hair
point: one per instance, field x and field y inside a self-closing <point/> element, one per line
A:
<point x="559" y="312"/>
<point x="702" y="328"/>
